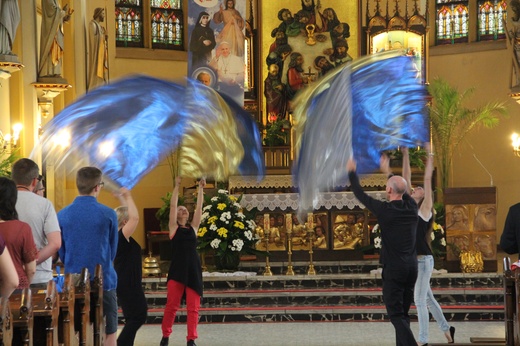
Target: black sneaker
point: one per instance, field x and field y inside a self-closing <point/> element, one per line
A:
<point x="191" y="343"/>
<point x="164" y="341"/>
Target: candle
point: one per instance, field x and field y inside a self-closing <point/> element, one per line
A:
<point x="266" y="222"/>
<point x="288" y="222"/>
<point x="310" y="220"/>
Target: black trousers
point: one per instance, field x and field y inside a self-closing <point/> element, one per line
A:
<point x="398" y="285"/>
<point x="134" y="306"/>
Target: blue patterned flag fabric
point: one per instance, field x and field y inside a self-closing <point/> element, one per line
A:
<point x="128" y="127"/>
<point x="374" y="104"/>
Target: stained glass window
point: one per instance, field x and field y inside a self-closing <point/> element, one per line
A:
<point x="160" y="28"/>
<point x="167" y="25"/>
<point x="452" y="22"/>
<point x="129" y="25"/>
<point x="491" y="17"/>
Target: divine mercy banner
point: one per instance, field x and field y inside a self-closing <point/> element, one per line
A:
<point x="216" y="45"/>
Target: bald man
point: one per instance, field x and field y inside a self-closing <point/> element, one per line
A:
<point x="397" y="218"/>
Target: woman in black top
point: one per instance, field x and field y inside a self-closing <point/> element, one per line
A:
<point x="129" y="271"/>
<point x="423" y="295"/>
<point x="185" y="273"/>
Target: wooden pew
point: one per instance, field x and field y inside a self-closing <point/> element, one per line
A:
<point x="82" y="322"/>
<point x="6" y="328"/>
<point x="21" y="309"/>
<point x="67" y="336"/>
<point x="509" y="302"/>
<point x="96" y="301"/>
<point x="45" y="315"/>
<point x="510" y="282"/>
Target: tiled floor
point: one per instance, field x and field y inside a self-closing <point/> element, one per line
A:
<point x="314" y="333"/>
<point x="309" y="333"/>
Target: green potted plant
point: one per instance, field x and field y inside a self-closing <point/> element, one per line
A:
<point x="277" y="132"/>
<point x="163" y="214"/>
<point x="7" y="158"/>
<point x="416" y="155"/>
<point x="451" y="121"/>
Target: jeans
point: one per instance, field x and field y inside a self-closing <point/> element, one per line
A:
<point x="425" y="300"/>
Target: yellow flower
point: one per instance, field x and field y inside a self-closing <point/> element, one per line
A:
<point x="239" y="224"/>
<point x="222" y="232"/>
<point x="201" y="232"/>
<point x="221" y="206"/>
<point x="212" y="219"/>
<point x="232" y="199"/>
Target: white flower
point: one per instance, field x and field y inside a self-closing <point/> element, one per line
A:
<point x="224" y="192"/>
<point x="251" y="224"/>
<point x="214" y="199"/>
<point x="208" y="207"/>
<point x="240" y="215"/>
<point x="249" y="235"/>
<point x="443" y="241"/>
<point x="225" y="216"/>
<point x="377" y="242"/>
<point x="215" y="243"/>
<point x="238" y="243"/>
<point x="432" y="235"/>
<point x="376" y="228"/>
<point x="238" y="206"/>
<point x="213" y="227"/>
<point x="204" y="216"/>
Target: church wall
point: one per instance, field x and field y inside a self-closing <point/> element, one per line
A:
<point x="488" y="71"/>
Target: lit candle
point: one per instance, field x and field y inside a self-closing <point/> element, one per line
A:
<point x="266" y="222"/>
<point x="310" y="220"/>
<point x="288" y="222"/>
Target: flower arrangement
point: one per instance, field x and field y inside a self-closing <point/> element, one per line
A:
<point x="225" y="229"/>
<point x="438" y="243"/>
<point x="376" y="236"/>
<point x="277" y="132"/>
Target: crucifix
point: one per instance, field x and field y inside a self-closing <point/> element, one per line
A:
<point x="309" y="74"/>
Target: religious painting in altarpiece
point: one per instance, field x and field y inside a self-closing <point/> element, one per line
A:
<point x="303" y="41"/>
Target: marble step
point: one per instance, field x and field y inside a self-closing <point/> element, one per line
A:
<point x="249" y="280"/>
<point x="325" y="313"/>
<point x="328" y="297"/>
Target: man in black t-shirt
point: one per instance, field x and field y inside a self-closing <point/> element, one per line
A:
<point x="397" y="218"/>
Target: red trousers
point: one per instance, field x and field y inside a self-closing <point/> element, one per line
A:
<point x="173" y="301"/>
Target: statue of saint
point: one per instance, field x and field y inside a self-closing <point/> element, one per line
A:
<point x="9" y="20"/>
<point x="51" y="44"/>
<point x="513" y="38"/>
<point x="98" y="51"/>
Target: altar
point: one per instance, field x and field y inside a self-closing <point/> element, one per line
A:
<point x="341" y="226"/>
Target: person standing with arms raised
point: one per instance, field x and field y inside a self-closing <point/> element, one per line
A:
<point x="129" y="270"/>
<point x="423" y="295"/>
<point x="185" y="273"/>
<point x="397" y="218"/>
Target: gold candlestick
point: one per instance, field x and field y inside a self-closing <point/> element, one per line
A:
<point x="288" y="225"/>
<point x="267" y="271"/>
<point x="203" y="260"/>
<point x="310" y="233"/>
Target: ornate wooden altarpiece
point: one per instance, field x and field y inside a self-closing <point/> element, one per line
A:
<point x="391" y="31"/>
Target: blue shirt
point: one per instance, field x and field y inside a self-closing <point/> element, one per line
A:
<point x="89" y="237"/>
